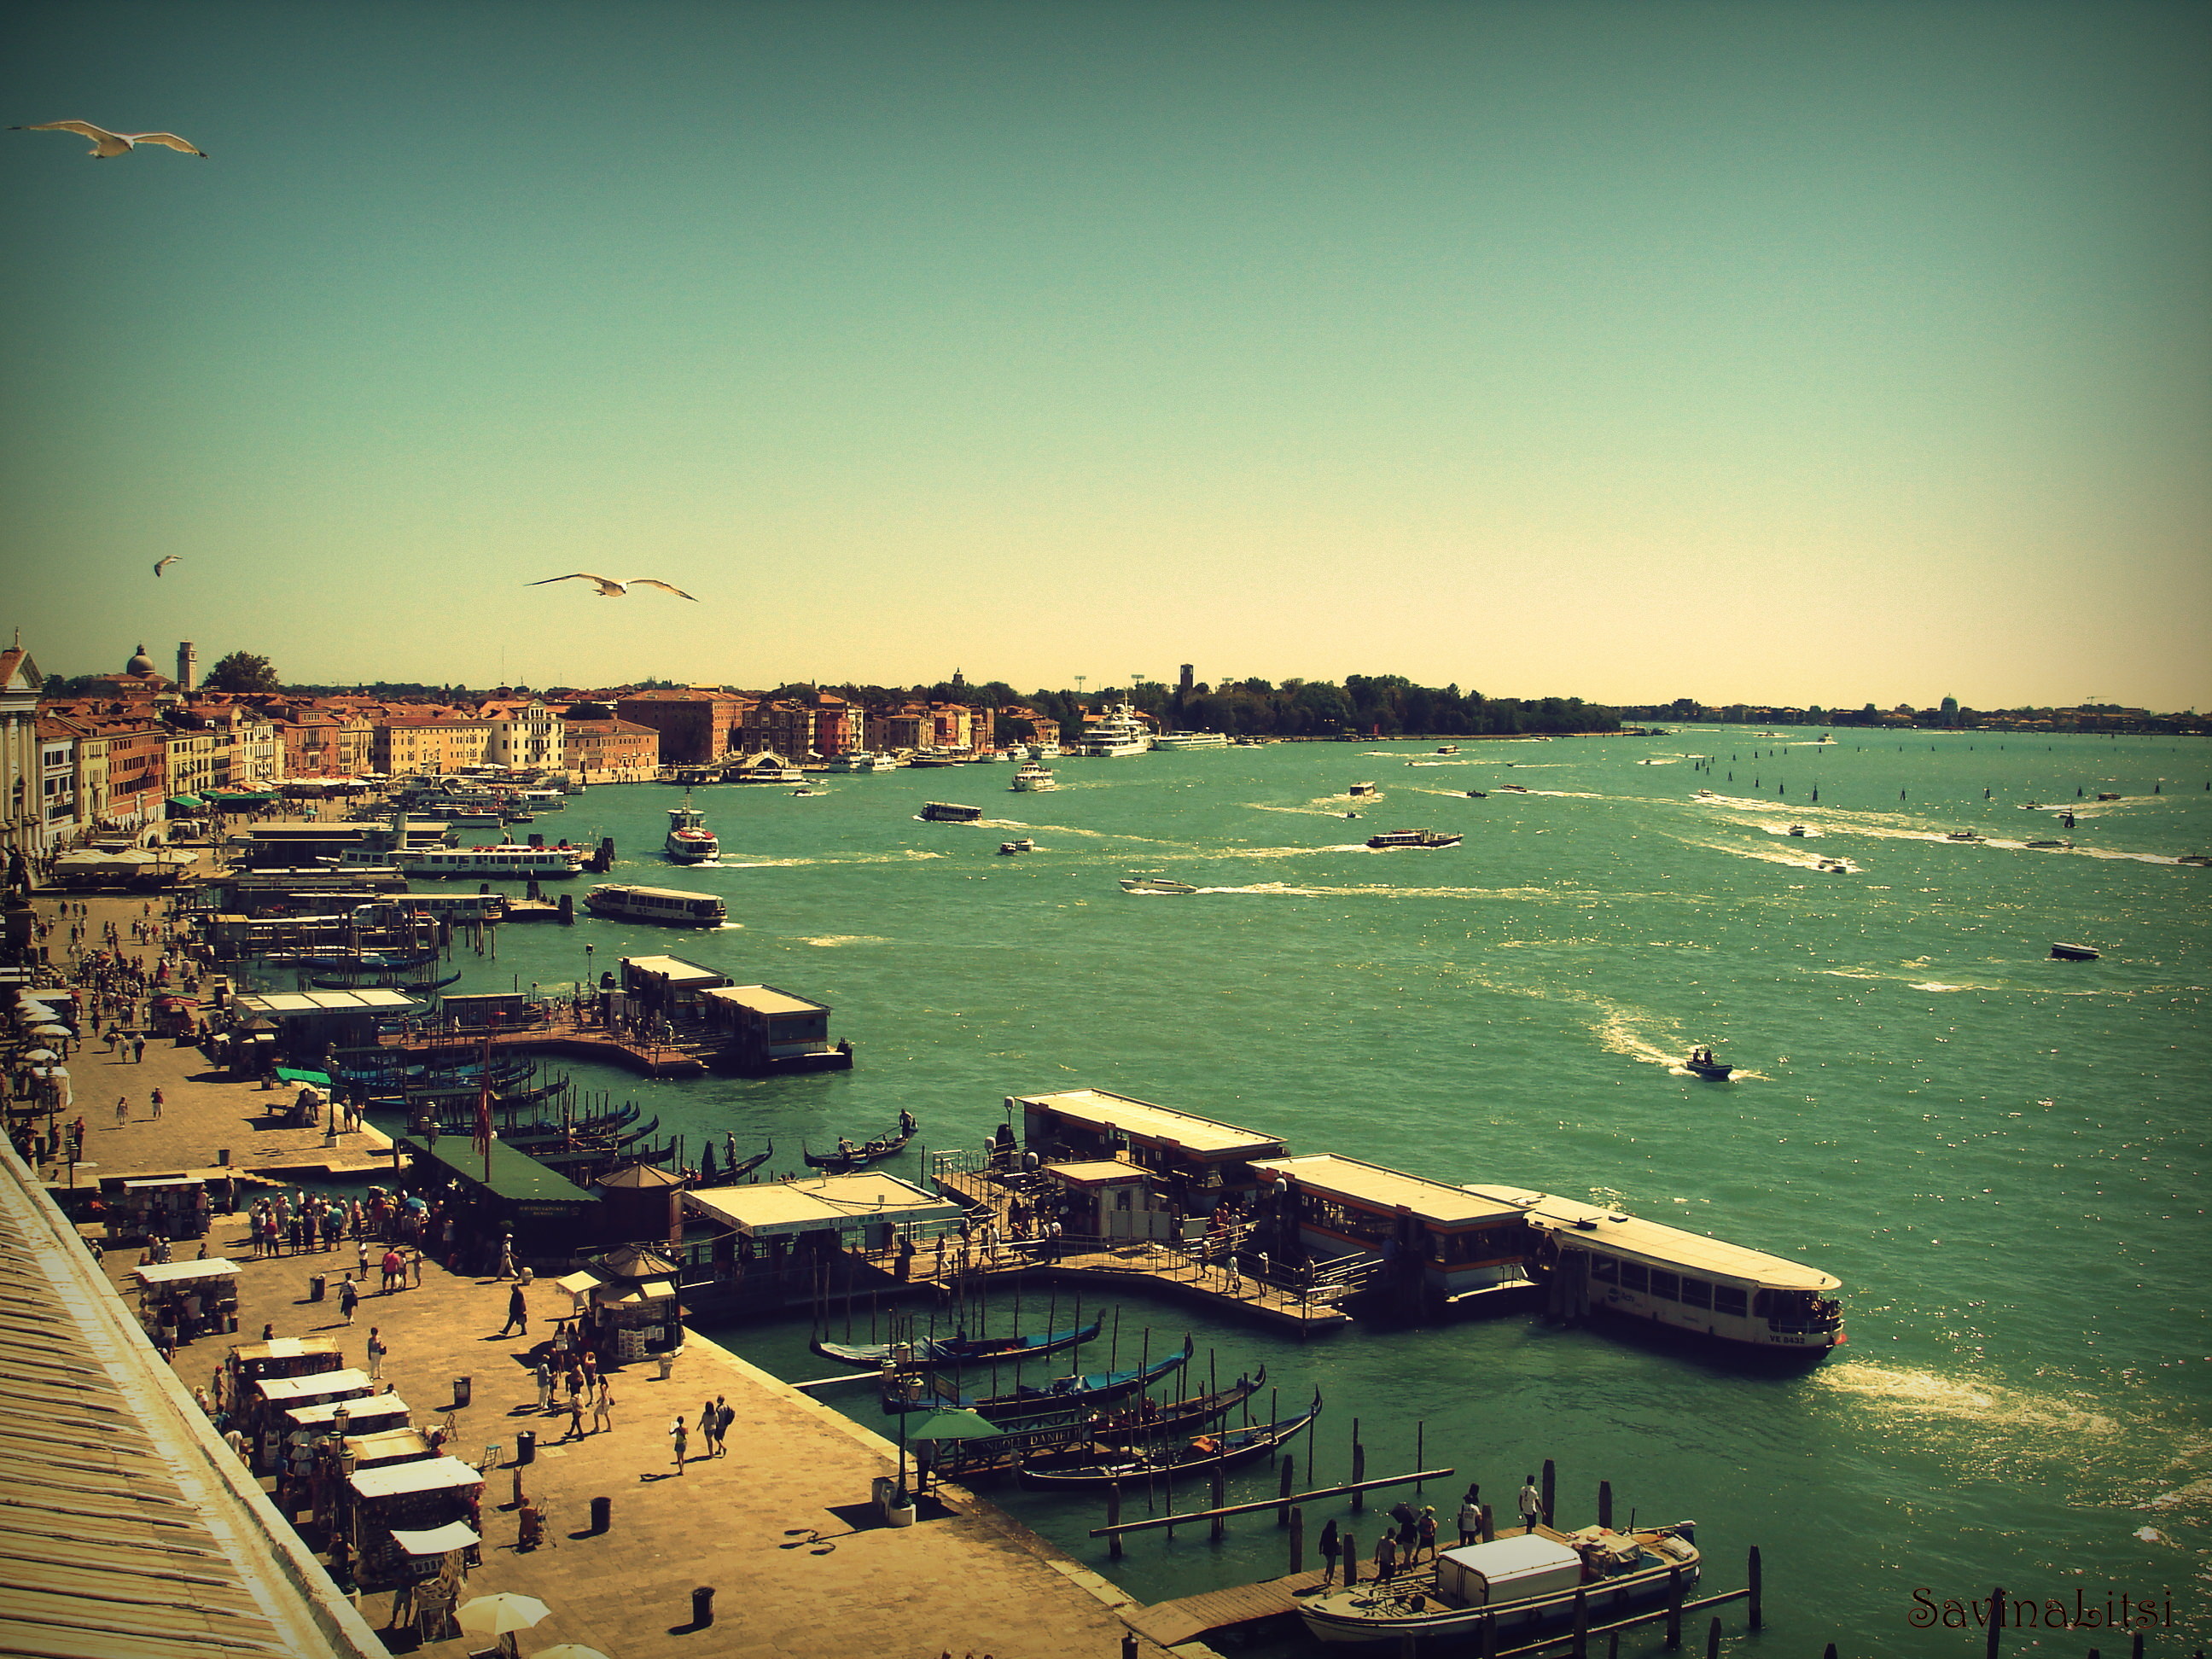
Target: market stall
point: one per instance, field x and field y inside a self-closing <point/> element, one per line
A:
<point x="375" y="1413"/>
<point x="160" y="1206"/>
<point x="428" y="1496"/>
<point x="191" y="1298"/>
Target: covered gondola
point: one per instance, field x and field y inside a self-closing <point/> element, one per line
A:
<point x="958" y="1349"/>
<point x="1198" y="1456"/>
<point x="1083" y="1391"/>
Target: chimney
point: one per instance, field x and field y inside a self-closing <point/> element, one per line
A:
<point x="188" y="666"/>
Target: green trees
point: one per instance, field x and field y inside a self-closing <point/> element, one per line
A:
<point x="241" y="671"/>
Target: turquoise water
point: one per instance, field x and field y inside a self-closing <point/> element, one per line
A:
<point x="2002" y="1156"/>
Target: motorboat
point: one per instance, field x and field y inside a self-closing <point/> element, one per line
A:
<point x="689" y="841"/>
<point x="1033" y="778"/>
<point x="2074" y="953"/>
<point x="1024" y="845"/>
<point x="1797" y="829"/>
<point x="945" y="811"/>
<point x="1833" y="868"/>
<point x="670" y="906"/>
<point x="1962" y="835"/>
<point x="808" y="789"/>
<point x="1359" y="790"/>
<point x="1156" y="884"/>
<point x="2061" y="844"/>
<point x="1448" y="748"/>
<point x="860" y="760"/>
<point x="1478" y="794"/>
<point x="1701" y="1063"/>
<point x="1512" y="1591"/>
<point x="1514" y="788"/>
<point x="1424" y="838"/>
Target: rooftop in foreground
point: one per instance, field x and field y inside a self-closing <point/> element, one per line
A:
<point x="1101" y="1109"/>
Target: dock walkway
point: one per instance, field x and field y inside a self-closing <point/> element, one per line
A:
<point x="1188" y="1618"/>
<point x="562" y="1033"/>
<point x="1137" y="1264"/>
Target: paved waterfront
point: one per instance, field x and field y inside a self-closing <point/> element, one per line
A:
<point x="747" y="1524"/>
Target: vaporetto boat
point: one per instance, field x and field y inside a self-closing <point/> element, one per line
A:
<point x="1191" y="741"/>
<point x="506" y="862"/>
<point x="670" y="906"/>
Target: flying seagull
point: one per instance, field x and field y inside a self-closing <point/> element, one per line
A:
<point x="612" y="589"/>
<point x="106" y="144"/>
<point x="159" y="563"/>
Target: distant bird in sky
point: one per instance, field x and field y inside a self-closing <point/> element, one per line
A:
<point x="612" y="589"/>
<point x="159" y="563"/>
<point x="106" y="144"/>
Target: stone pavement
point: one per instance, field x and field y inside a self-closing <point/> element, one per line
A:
<point x="781" y="1526"/>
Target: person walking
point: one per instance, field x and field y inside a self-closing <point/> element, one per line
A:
<point x="137" y="1051"/>
<point x="680" y="1440"/>
<point x="725" y="1414"/>
<point x="1531" y="1503"/>
<point x="1386" y="1557"/>
<point x="1426" y="1537"/>
<point x="348" y="1297"/>
<point x="377" y="1350"/>
<point x="1329" y="1548"/>
<point x="602" y="1408"/>
<point x="122" y="1110"/>
<point x="708" y="1420"/>
<point x="544" y="1387"/>
<point x="517" y="1314"/>
<point x="575" y="1429"/>
<point x="157" y="1102"/>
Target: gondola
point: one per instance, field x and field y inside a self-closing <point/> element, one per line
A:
<point x="964" y="1460"/>
<point x="847" y="1158"/>
<point x="354" y="982"/>
<point x="1200" y="1455"/>
<point x="1082" y="1391"/>
<point x="360" y="961"/>
<point x="954" y="1350"/>
<point x="739" y="1171"/>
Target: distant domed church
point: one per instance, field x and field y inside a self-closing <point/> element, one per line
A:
<point x="138" y="677"/>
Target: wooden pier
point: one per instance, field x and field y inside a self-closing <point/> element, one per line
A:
<point x="562" y="1033"/>
<point x="1147" y="1265"/>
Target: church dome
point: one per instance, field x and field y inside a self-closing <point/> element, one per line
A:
<point x="141" y="664"/>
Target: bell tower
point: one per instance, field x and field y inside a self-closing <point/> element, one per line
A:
<point x="188" y="666"/>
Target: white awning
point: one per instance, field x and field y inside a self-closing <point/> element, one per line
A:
<point x="454" y="1536"/>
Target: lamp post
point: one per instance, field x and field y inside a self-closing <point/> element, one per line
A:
<point x="586" y="987"/>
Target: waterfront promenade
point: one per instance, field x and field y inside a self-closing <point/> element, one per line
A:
<point x="781" y="1527"/>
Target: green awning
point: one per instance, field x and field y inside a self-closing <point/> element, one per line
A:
<point x="227" y="797"/>
<point x="520" y="1180"/>
<point x="320" y="1079"/>
<point x="190" y="803"/>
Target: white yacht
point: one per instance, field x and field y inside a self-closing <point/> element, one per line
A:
<point x="1191" y="741"/>
<point x="689" y="841"/>
<point x="860" y="760"/>
<point x="1034" y="778"/>
<point x="1115" y="733"/>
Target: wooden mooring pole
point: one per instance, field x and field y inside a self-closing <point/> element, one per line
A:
<point x="1580" y="1646"/>
<point x="1114" y="1520"/>
<point x="1189" y="1516"/>
<point x="1358" y="1468"/>
<point x="1219" y="1492"/>
<point x="1551" y="1481"/>
<point x="1673" y="1608"/>
<point x="1758" y="1615"/>
<point x="1289" y="1479"/>
<point x="1713" y="1638"/>
<point x="1996" y="1619"/>
<point x="1298" y="1538"/>
<point x="1605" y="1504"/>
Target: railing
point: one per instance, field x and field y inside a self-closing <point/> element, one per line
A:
<point x="962" y="1162"/>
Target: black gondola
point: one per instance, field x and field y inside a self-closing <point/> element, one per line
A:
<point x="738" y="1171"/>
<point x="1200" y="1454"/>
<point x="849" y="1157"/>
<point x="964" y="1460"/>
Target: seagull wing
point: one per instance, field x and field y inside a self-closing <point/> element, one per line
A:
<point x="168" y="138"/>
<point x="159" y="563"/>
<point x="609" y="587"/>
<point x="104" y="142"/>
<point x="649" y="582"/>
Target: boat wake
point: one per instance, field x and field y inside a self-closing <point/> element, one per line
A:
<point x="909" y="855"/>
<point x="1288" y="890"/>
<point x="830" y="941"/>
<point x="1309" y="811"/>
<point x="1924" y="1396"/>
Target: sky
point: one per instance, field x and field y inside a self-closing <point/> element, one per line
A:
<point x="1789" y="352"/>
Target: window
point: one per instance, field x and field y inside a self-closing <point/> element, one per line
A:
<point x="1728" y="1299"/>
<point x="1665" y="1284"/>
<point x="1633" y="1277"/>
<point x="1697" y="1293"/>
<point x="1604" y="1270"/>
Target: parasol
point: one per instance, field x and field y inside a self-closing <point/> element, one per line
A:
<point x="495" y="1615"/>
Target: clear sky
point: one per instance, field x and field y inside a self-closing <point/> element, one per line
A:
<point x="1771" y="351"/>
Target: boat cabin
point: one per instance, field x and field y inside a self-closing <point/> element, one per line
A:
<point x="769" y="1236"/>
<point x="763" y="1028"/>
<point x="1517" y="1569"/>
<point x="1197" y="1161"/>
<point x="1605" y="1260"/>
<point x="1461" y="1245"/>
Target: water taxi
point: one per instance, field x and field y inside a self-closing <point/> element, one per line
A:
<point x="1510" y="1591"/>
<point x="860" y="760"/>
<point x="689" y="841"/>
<point x="1156" y="885"/>
<point x="1034" y="778"/>
<point x="668" y="905"/>
<point x="1391" y="838"/>
<point x="1359" y="790"/>
<point x="1024" y="845"/>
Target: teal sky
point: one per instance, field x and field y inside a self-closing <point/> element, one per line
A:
<point x="1796" y="352"/>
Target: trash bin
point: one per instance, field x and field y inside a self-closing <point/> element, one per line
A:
<point x="462" y="1385"/>
<point x="317" y="1285"/>
<point x="526" y="1447"/>
<point x="703" y="1606"/>
<point x="603" y="1514"/>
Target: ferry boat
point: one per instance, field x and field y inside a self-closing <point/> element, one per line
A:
<point x="1390" y="838"/>
<point x="1962" y="835"/>
<point x="1116" y="734"/>
<point x="945" y="811"/>
<point x="1033" y="778"/>
<point x="668" y="905"/>
<point x="771" y="773"/>
<point x="507" y="861"/>
<point x="1512" y="1591"/>
<point x="689" y="841"/>
<point x="1359" y="790"/>
<point x="930" y="758"/>
<point x="1191" y="741"/>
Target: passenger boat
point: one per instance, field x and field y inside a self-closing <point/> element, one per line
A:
<point x="1962" y="835"/>
<point x="1201" y="1455"/>
<point x="1359" y="790"/>
<point x="1478" y="794"/>
<point x="1082" y="1391"/>
<point x="848" y="1157"/>
<point x="1448" y="748"/>
<point x="1512" y="1591"/>
<point x="929" y="757"/>
<point x="1024" y="845"/>
<point x="2074" y="953"/>
<point x="1156" y="884"/>
<point x="670" y="906"/>
<point x="945" y="811"/>
<point x="1391" y="838"/>
<point x="1173" y="740"/>
<point x="1116" y="734"/>
<point x="2185" y="858"/>
<point x="1701" y="1063"/>
<point x="861" y="761"/>
<point x="689" y="841"/>
<point x="958" y="1349"/>
<point x="1033" y="778"/>
<point x="507" y="861"/>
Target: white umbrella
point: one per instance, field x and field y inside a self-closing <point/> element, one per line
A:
<point x="495" y="1615"/>
<point x="50" y="1030"/>
<point x="38" y="1056"/>
<point x="568" y="1651"/>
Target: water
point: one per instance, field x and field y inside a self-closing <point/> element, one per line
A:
<point x="2002" y="1157"/>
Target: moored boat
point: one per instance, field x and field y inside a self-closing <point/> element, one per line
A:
<point x="2074" y="953"/>
<point x="958" y="1349"/>
<point x="1081" y="1391"/>
<point x="1116" y="734"/>
<point x="1200" y="1454"/>
<point x="1510" y="1591"/>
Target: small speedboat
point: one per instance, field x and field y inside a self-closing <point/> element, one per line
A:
<point x="2074" y="953"/>
<point x="1962" y="835"/>
<point x="1156" y="884"/>
<point x="803" y="790"/>
<point x="1701" y="1063"/>
<point x="2061" y="844"/>
<point x="1515" y="788"/>
<point x="1024" y="845"/>
<point x="1478" y="794"/>
<point x="1797" y="829"/>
